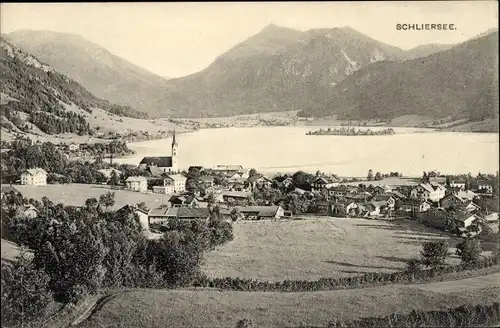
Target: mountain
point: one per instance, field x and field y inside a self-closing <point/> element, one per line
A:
<point x="277" y="69"/>
<point x="36" y="98"/>
<point x="461" y="82"/>
<point x="102" y="73"/>
<point x="425" y="50"/>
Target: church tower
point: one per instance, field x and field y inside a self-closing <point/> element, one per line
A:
<point x="175" y="145"/>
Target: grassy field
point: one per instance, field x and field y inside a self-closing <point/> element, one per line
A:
<point x="76" y="194"/>
<point x="319" y="247"/>
<point x="213" y="308"/>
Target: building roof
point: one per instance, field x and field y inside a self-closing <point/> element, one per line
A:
<point x="132" y="208"/>
<point x="155" y="171"/>
<point x="485" y="182"/>
<point x="461" y="181"/>
<point x="257" y="177"/>
<point x="162" y="161"/>
<point x="378" y="204"/>
<point x="467" y="194"/>
<point x="36" y="171"/>
<point x="463" y="215"/>
<point x="159" y="211"/>
<point x="264" y="211"/>
<point x="188" y="213"/>
<point x="227" y="168"/>
<point x="176" y="177"/>
<point x="235" y="194"/>
<point x="382" y="197"/>
<point x="136" y="178"/>
<point x="206" y="178"/>
<point x="397" y="194"/>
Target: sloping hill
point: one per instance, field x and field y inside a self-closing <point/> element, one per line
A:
<point x="38" y="96"/>
<point x="461" y="82"/>
<point x="277" y="69"/>
<point x="102" y="73"/>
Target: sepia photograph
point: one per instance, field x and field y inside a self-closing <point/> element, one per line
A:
<point x="250" y="164"/>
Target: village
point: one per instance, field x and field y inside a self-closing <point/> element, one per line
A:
<point x="245" y="194"/>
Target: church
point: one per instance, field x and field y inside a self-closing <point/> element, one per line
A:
<point x="165" y="164"/>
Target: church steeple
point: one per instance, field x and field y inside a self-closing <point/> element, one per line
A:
<point x="174" y="153"/>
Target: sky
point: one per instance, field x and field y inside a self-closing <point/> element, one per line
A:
<point x="178" y="39"/>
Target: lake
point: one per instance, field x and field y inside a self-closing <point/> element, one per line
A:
<point x="288" y="149"/>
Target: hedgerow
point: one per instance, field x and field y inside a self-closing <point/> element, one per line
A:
<point x="365" y="280"/>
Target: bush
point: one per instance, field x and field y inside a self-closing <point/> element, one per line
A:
<point x="434" y="253"/>
<point x="469" y="250"/>
<point x="462" y="316"/>
<point x="25" y="292"/>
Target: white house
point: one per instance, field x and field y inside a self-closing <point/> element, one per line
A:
<point x="428" y="191"/>
<point x="177" y="181"/>
<point x="35" y="177"/>
<point x="137" y="183"/>
<point x="485" y="186"/>
<point x="459" y="184"/>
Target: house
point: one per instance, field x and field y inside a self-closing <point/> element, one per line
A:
<point x="158" y="216"/>
<point x="343" y="208"/>
<point x="168" y="189"/>
<point x="397" y="194"/>
<point x="261" y="212"/>
<point x="485" y="186"/>
<point x="141" y="214"/>
<point x="206" y="181"/>
<point x="457" y="184"/>
<point x="287" y="182"/>
<point x="465" y="219"/>
<point x="228" y="170"/>
<point x="7" y="190"/>
<point x="322" y="182"/>
<point x="386" y="199"/>
<point x="34" y="177"/>
<point x="457" y="199"/>
<point x="184" y="201"/>
<point x="259" y="181"/>
<point x="107" y="172"/>
<point x="137" y="183"/>
<point x="179" y="214"/>
<point x="178" y="181"/>
<point x="339" y="192"/>
<point x="167" y="164"/>
<point x="428" y="191"/>
<point x="28" y="211"/>
<point x="238" y="184"/>
<point x="415" y="205"/>
<point x="368" y="210"/>
<point x="382" y="189"/>
<point x="451" y="201"/>
<point x="362" y="197"/>
<point x="472" y="207"/>
<point x="228" y="196"/>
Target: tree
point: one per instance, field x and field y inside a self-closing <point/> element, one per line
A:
<point x="252" y="172"/>
<point x="107" y="200"/>
<point x="114" y="179"/>
<point x="434" y="253"/>
<point x="235" y="214"/>
<point x="25" y="292"/>
<point x="91" y="203"/>
<point x="142" y="206"/>
<point x="370" y="175"/>
<point x="469" y="250"/>
<point x="425" y="177"/>
<point x="378" y="176"/>
<point x="413" y="266"/>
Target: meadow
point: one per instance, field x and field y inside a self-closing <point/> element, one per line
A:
<point x="214" y="308"/>
<point x="316" y="248"/>
<point x="75" y="194"/>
